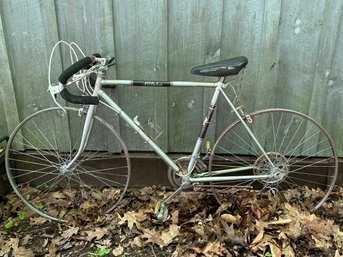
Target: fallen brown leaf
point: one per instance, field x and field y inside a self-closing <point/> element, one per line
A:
<point x="280" y="222"/>
<point x="6" y="246"/>
<point x="231" y="219"/>
<point x="257" y="239"/>
<point x="320" y="228"/>
<point x="118" y="251"/>
<point x="38" y="220"/>
<point x="96" y="233"/>
<point x="23" y="252"/>
<point x="168" y="236"/>
<point x="275" y="251"/>
<point x="152" y="236"/>
<point x="338" y="236"/>
<point x="132" y="218"/>
<point x="65" y="236"/>
<point x="212" y="249"/>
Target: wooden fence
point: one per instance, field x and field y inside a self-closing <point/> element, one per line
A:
<point x="295" y="48"/>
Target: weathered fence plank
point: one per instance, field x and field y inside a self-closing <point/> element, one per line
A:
<point x="326" y="49"/>
<point x="29" y="50"/>
<point x="301" y="26"/>
<point x="332" y="117"/>
<point x="268" y="57"/>
<point x="8" y="106"/>
<point x="294" y="50"/>
<point x="94" y="24"/>
<point x="238" y="38"/>
<point x="29" y="41"/>
<point x="141" y="50"/>
<point x="191" y="42"/>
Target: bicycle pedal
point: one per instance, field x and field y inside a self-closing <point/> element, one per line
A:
<point x="161" y="211"/>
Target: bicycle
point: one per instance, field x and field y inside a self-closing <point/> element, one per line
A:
<point x="267" y="150"/>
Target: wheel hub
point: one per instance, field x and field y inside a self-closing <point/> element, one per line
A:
<point x="277" y="171"/>
<point x="64" y="169"/>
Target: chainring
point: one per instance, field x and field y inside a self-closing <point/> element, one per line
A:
<point x="175" y="179"/>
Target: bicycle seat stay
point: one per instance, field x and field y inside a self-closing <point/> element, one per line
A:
<point x="222" y="68"/>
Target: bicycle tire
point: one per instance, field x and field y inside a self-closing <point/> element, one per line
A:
<point x="36" y="157"/>
<point x="301" y="150"/>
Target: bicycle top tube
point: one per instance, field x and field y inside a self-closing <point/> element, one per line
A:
<point x="219" y="70"/>
<point x="111" y="83"/>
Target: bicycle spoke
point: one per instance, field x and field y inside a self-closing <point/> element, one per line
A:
<point x="244" y="142"/>
<point x="309" y="165"/>
<point x="298" y="160"/>
<point x="29" y="155"/>
<point x="46" y="139"/>
<point x="287" y="130"/>
<point x="236" y="156"/>
<point x="34" y="163"/>
<point x="101" y="171"/>
<point x="45" y="166"/>
<point x="41" y="152"/>
<point x="294" y="136"/>
<point x="294" y="143"/>
<point x="25" y="171"/>
<point x="103" y="180"/>
<point x="301" y="142"/>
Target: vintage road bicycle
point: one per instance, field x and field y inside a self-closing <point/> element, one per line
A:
<point x="71" y="156"/>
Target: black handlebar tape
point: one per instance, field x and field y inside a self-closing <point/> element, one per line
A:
<point x="74" y="68"/>
<point x="77" y="99"/>
<point x="70" y="71"/>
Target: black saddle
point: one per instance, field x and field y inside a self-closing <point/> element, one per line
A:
<point x="223" y="68"/>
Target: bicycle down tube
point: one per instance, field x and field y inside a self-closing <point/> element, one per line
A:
<point x="133" y="125"/>
<point x="197" y="148"/>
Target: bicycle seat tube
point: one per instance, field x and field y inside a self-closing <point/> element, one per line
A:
<point x="205" y="125"/>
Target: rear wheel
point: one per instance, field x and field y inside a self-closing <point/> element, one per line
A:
<point x="37" y="158"/>
<point x="298" y="152"/>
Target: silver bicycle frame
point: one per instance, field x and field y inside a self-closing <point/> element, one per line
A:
<point x="218" y="89"/>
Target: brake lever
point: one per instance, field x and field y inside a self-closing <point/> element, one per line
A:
<point x="109" y="62"/>
<point x="112" y="64"/>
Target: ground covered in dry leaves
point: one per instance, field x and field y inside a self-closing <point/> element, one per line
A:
<point x="249" y="224"/>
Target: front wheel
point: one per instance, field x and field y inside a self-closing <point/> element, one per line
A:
<point x="37" y="157"/>
<point x="298" y="152"/>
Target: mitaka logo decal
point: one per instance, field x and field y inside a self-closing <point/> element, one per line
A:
<point x="153" y="83"/>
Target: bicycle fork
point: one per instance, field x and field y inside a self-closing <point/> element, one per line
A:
<point x="87" y="127"/>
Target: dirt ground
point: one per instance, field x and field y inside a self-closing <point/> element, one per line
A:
<point x="248" y="224"/>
